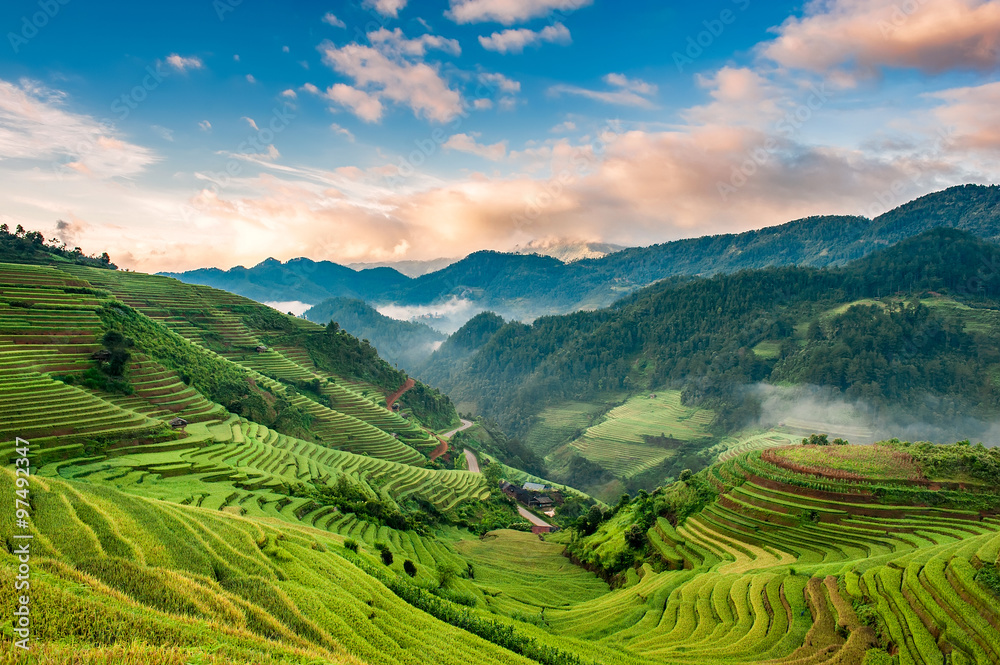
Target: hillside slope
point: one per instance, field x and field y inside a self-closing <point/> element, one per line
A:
<point x="405" y="343"/>
<point x="728" y="341"/>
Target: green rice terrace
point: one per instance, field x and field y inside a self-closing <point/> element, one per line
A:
<point x="214" y="482"/>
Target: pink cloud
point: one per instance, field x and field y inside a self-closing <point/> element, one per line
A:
<point x="864" y="35"/>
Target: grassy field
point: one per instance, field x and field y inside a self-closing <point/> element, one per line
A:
<point x="210" y="543"/>
<point x="523" y="577"/>
<point x="560" y="424"/>
<point x="874" y="461"/>
<point x="618" y="442"/>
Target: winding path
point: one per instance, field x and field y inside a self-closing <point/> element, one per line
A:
<point x="391" y="399"/>
<point x="443" y="446"/>
<point x="466" y="424"/>
<point x="473" y="463"/>
<point x="474" y="468"/>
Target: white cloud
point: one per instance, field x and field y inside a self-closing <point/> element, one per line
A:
<point x="36" y="127"/>
<point x="508" y="12"/>
<point x="365" y="106"/>
<point x="330" y="19"/>
<point x="205" y="126"/>
<point x="342" y="131"/>
<point x="311" y="89"/>
<point x="251" y="79"/>
<point x="515" y="41"/>
<point x="391" y="70"/>
<point x="467" y="143"/>
<point x="395" y="42"/>
<point x="567" y="126"/>
<point x="482" y="104"/>
<point x="184" y="64"/>
<point x="236" y="58"/>
<point x="284" y="49"/>
<point x="858" y="37"/>
<point x="971" y="113"/>
<point x="290" y="94"/>
<point x="626" y="92"/>
<point x="163" y="132"/>
<point x="637" y="86"/>
<point x="385" y="7"/>
<point x="250" y="121"/>
<point x="499" y="82"/>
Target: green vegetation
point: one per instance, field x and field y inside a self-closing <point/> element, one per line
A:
<point x="21" y="246"/>
<point x="696" y="338"/>
<point x="251" y="498"/>
<point x="405" y="343"/>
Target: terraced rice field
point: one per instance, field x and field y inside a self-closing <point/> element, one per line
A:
<point x="136" y="580"/>
<point x="558" y="424"/>
<point x="618" y="442"/>
<point x="756" y="441"/>
<point x="521" y="576"/>
<point x="776" y="570"/>
<point x="49" y="327"/>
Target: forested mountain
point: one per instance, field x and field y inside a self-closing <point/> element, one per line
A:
<point x="524" y="287"/>
<point x="406" y="343"/>
<point x="912" y="327"/>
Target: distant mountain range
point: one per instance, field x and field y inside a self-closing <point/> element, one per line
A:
<point x="408" y="268"/>
<point x="524" y="287"/>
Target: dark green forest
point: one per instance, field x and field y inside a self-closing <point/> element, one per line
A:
<point x="404" y="343"/>
<point x="698" y="335"/>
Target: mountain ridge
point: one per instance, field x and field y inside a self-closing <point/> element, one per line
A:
<point x="527" y="286"/>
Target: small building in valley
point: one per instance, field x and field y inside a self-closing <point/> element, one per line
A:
<point x="261" y="349"/>
<point x="178" y="423"/>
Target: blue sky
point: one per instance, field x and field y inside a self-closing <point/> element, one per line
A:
<point x="222" y="132"/>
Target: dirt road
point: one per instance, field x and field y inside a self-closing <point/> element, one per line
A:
<point x="531" y="517"/>
<point x="466" y="424"/>
<point x="470" y="457"/>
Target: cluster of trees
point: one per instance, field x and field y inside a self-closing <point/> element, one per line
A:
<point x="110" y="370"/>
<point x="698" y="335"/>
<point x="335" y="351"/>
<point x="404" y="343"/>
<point x="216" y="379"/>
<point x="629" y="521"/>
<point x="22" y="246"/>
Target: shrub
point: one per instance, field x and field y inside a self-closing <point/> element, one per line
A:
<point x="351" y="544"/>
<point x="386" y="557"/>
<point x="410" y="568"/>
<point x="877" y="657"/>
<point x="459" y="597"/>
<point x="445" y="574"/>
<point x="635" y="536"/>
